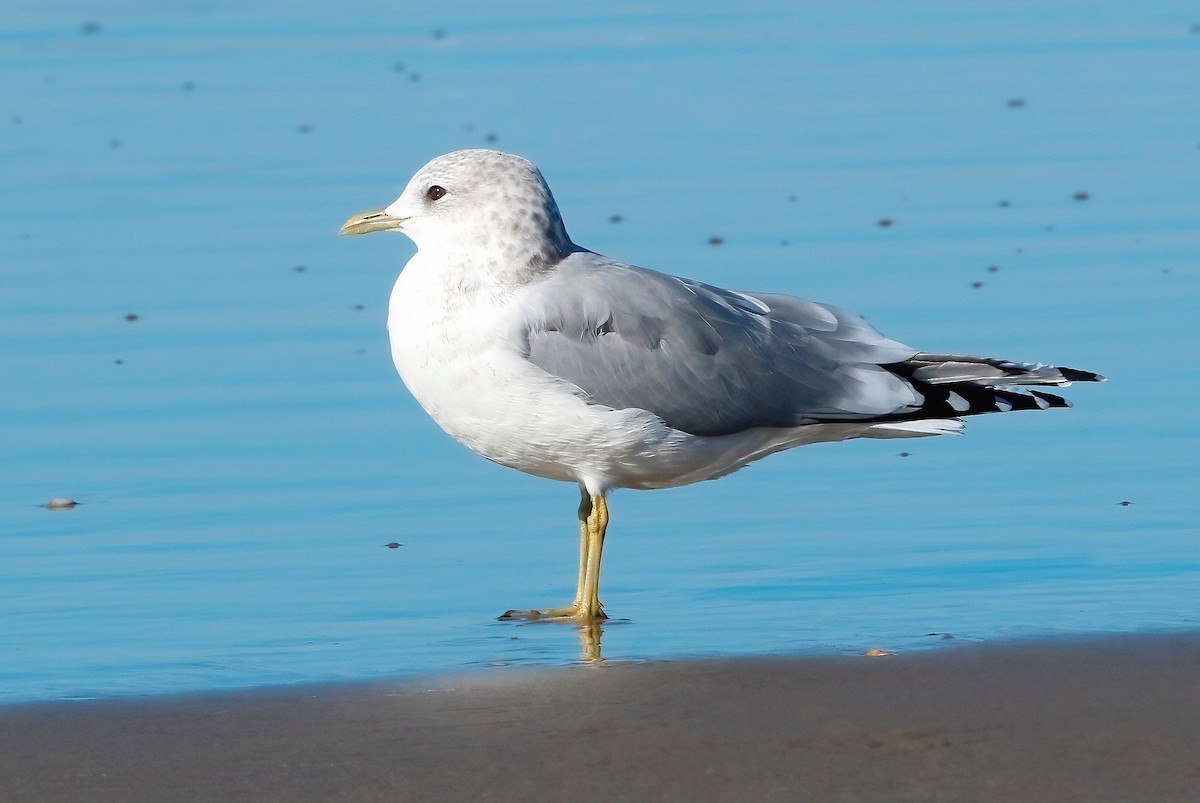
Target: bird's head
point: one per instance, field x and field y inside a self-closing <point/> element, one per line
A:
<point x="493" y="206"/>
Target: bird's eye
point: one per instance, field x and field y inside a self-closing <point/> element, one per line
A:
<point x="435" y="192"/>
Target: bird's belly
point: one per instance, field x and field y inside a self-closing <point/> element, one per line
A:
<point x="482" y="392"/>
<point x="506" y="412"/>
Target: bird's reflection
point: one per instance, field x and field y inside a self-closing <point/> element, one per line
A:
<point x="589" y="643"/>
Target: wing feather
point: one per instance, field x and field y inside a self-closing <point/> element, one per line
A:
<point x="706" y="360"/>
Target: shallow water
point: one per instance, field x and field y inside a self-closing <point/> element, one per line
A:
<point x="242" y="450"/>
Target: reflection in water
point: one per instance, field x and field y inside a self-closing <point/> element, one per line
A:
<point x="589" y="642"/>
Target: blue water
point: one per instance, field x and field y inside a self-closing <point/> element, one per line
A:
<point x="242" y="451"/>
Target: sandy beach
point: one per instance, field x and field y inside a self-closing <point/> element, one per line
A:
<point x="1096" y="719"/>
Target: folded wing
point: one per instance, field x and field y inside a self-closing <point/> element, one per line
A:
<point x="710" y="361"/>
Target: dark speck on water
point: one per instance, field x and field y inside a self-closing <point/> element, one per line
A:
<point x="398" y="67"/>
<point x="1003" y="204"/>
<point x="91" y="27"/>
<point x="977" y="284"/>
<point x="715" y="240"/>
<point x="358" y="306"/>
<point x="304" y="128"/>
<point x="884" y="222"/>
<point x="188" y="86"/>
<point x="615" y="219"/>
<point x="1081" y="196"/>
<point x="1016" y="103"/>
<point x="492" y="137"/>
<point x="299" y="269"/>
<point x="132" y="316"/>
<point x="993" y="268"/>
<point x="60" y="503"/>
<point x="393" y="545"/>
<point x="439" y="34"/>
<point x="905" y="454"/>
<point x="1126" y="503"/>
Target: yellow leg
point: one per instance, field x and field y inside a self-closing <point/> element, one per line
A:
<point x="595" y="525"/>
<point x="585" y="508"/>
<point x="586" y="607"/>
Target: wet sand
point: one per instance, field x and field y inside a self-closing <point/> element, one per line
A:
<point x="1087" y="720"/>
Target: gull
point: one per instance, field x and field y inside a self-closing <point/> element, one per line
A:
<point x="543" y="356"/>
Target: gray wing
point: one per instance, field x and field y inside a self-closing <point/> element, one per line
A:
<point x="706" y="360"/>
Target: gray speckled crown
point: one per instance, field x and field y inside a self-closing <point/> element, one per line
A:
<point x="510" y="210"/>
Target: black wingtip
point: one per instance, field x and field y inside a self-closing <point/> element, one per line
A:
<point x="1051" y="399"/>
<point x="1075" y="375"/>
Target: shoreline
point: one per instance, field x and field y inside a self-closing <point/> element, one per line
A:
<point x="1087" y="718"/>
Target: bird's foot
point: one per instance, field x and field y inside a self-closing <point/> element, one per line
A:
<point x="576" y="612"/>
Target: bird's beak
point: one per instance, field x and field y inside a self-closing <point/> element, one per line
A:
<point x="375" y="220"/>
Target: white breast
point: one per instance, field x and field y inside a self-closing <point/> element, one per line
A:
<point x="458" y="350"/>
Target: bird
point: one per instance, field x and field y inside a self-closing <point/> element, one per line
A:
<point x="543" y="356"/>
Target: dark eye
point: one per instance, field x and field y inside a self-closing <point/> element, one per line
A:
<point x="435" y="192"/>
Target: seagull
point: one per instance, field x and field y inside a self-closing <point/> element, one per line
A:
<point x="543" y="356"/>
